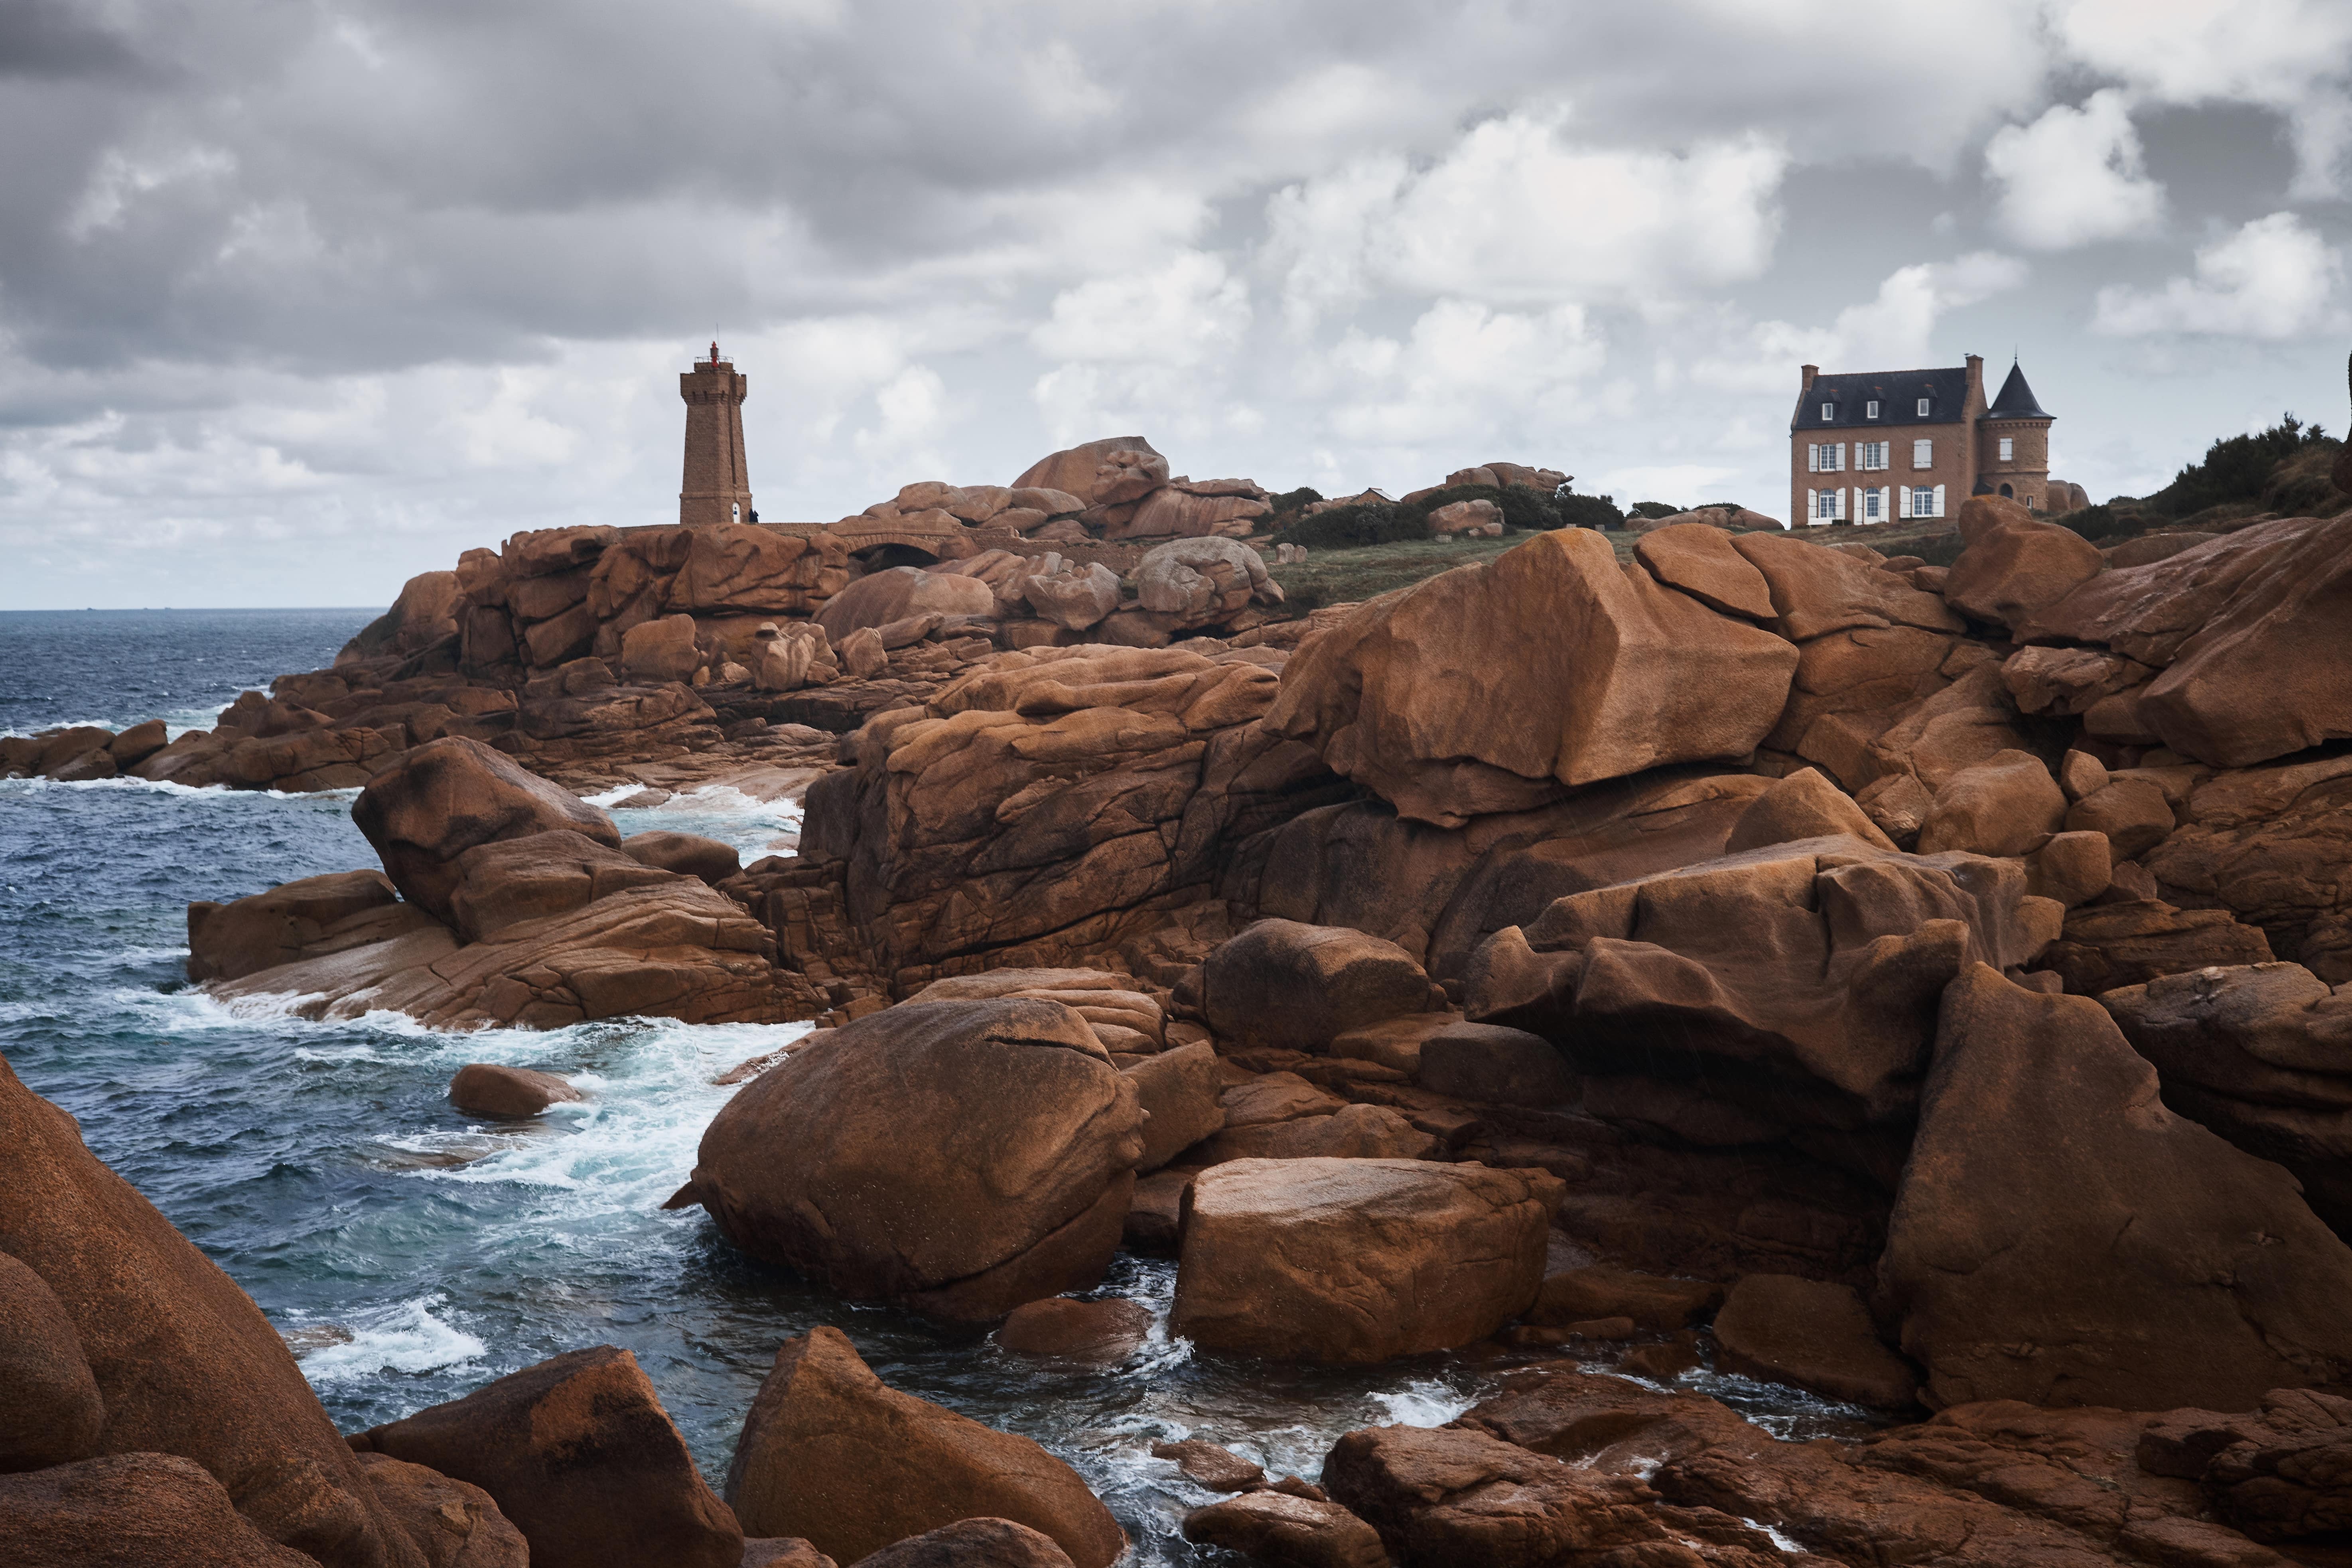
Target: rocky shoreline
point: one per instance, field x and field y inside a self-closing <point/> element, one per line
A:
<point x="1929" y="988"/>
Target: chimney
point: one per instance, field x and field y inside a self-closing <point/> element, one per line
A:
<point x="1976" y="375"/>
<point x="1808" y="372"/>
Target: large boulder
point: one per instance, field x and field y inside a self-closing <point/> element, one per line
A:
<point x="1700" y="561"/>
<point x="2014" y="565"/>
<point x="449" y="795"/>
<point x="665" y="649"/>
<point x="830" y="1453"/>
<point x="1358" y="1260"/>
<point x="425" y="612"/>
<point x="1177" y="1092"/>
<point x="2246" y="630"/>
<point x="1794" y="986"/>
<point x="967" y="1543"/>
<point x="1074" y="597"/>
<point x="1495" y="688"/>
<point x="229" y="941"/>
<point x="1815" y="1333"/>
<point x="2004" y="805"/>
<point x="129" y="1510"/>
<point x="1277" y="1527"/>
<point x="745" y="568"/>
<point x="1099" y="473"/>
<point x="1200" y="581"/>
<point x="1295" y="986"/>
<point x="903" y="592"/>
<point x="580" y="1456"/>
<point x="183" y="1361"/>
<point x="2052" y="1203"/>
<point x="1185" y="510"/>
<point x="958" y="1157"/>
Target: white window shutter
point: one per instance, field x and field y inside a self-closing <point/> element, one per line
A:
<point x="1812" y="457"/>
<point x="1841" y="460"/>
<point x="1903" y="501"/>
<point x="1939" y="502"/>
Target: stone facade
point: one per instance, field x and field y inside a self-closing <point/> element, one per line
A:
<point x="1887" y="445"/>
<point x="717" y="487"/>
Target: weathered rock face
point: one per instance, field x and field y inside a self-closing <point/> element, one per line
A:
<point x="2014" y="565"/>
<point x="2245" y="631"/>
<point x="1203" y="582"/>
<point x="1274" y="1527"/>
<point x="2276" y="1474"/>
<point x="229" y="941"/>
<point x="1123" y="1019"/>
<point x="1701" y="561"/>
<point x="2005" y="805"/>
<point x="183" y="1361"/>
<point x="1177" y="1092"/>
<point x="1793" y="986"/>
<point x="2273" y="846"/>
<point x="1295" y="986"/>
<point x="2261" y="1054"/>
<point x="453" y="1523"/>
<point x="2130" y="941"/>
<point x="2052" y="1201"/>
<point x="580" y="1456"/>
<point x="1099" y="473"/>
<point x="960" y="1157"/>
<point x="829" y="1453"/>
<point x="1358" y="1260"/>
<point x="1053" y="804"/>
<point x="130" y="1510"/>
<point x="1439" y="892"/>
<point x="882" y="598"/>
<point x="549" y="930"/>
<point x="1059" y="1329"/>
<point x="425" y="613"/>
<point x="1183" y="508"/>
<point x="451" y="795"/>
<point x="1612" y="673"/>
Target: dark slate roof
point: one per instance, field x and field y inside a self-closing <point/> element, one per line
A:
<point x="2016" y="400"/>
<point x="1898" y="392"/>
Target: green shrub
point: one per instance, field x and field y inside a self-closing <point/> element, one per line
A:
<point x="2235" y="469"/>
<point x="1353" y="527"/>
<point x="1654" y="509"/>
<point x="2300" y="487"/>
<point x="2095" y="523"/>
<point x="1295" y="500"/>
<point x="1589" y="512"/>
<point x="1938" y="549"/>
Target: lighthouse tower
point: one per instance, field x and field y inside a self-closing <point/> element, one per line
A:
<point x="717" y="488"/>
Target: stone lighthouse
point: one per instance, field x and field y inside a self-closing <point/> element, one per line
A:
<point x="717" y="488"/>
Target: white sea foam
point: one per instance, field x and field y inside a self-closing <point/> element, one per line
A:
<point x="166" y="786"/>
<point x="406" y="1337"/>
<point x="1427" y="1403"/>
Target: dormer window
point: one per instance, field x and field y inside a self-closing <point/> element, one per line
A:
<point x="1923" y="408"/>
<point x="1829" y="411"/>
<point x="1870" y="409"/>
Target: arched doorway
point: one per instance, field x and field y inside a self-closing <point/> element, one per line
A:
<point x="2008" y="492"/>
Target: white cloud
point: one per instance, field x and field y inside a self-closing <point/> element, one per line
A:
<point x="2075" y="175"/>
<point x="1516" y="214"/>
<point x="1892" y="330"/>
<point x="2274" y="278"/>
<point x="1180" y="314"/>
<point x="2294" y="57"/>
<point x="1464" y="372"/>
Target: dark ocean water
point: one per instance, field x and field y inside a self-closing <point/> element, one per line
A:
<point x="414" y="1254"/>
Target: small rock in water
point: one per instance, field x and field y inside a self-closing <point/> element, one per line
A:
<point x="644" y="800"/>
<point x="1274" y="1527"/>
<point x="1663" y="1361"/>
<point x="483" y="1089"/>
<point x="971" y="1543"/>
<point x="313" y="1337"/>
<point x="1219" y="1469"/>
<point x="753" y="1066"/>
<point x="1077" y="1330"/>
<point x="1812" y="1333"/>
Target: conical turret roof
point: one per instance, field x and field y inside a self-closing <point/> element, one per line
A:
<point x="2016" y="400"/>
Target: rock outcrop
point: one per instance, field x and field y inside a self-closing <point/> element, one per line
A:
<point x="1612" y="672"/>
<point x="2051" y="1201"/>
<point x="830" y="1453"/>
<point x="958" y="1157"/>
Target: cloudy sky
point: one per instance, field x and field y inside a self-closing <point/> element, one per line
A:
<point x="300" y="297"/>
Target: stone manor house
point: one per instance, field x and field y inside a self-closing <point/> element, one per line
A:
<point x="1884" y="446"/>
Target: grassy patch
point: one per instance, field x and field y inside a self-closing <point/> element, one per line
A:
<point x="1348" y="576"/>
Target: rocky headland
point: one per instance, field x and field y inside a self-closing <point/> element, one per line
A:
<point x="1925" y="986"/>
